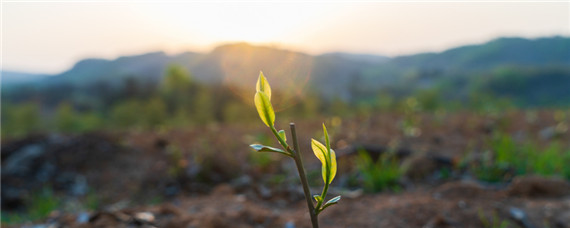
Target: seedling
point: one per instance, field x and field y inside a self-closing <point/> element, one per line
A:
<point x="324" y="153"/>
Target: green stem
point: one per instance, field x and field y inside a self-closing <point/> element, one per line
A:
<point x="323" y="195"/>
<point x="281" y="141"/>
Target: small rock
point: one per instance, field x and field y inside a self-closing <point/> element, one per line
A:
<point x="243" y="181"/>
<point x="264" y="192"/>
<point x="145" y="216"/>
<point x="290" y="224"/>
<point x="21" y="162"/>
<point x="169" y="209"/>
<point x="520" y="216"/>
<point x="516" y="213"/>
<point x="82" y="217"/>
<point x="240" y="198"/>
<point x="79" y="187"/>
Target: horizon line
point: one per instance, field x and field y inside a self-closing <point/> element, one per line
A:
<point x="277" y="46"/>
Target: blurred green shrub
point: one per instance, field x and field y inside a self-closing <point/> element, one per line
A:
<point x="65" y="118"/>
<point x="38" y="206"/>
<point x="380" y="175"/>
<point x="127" y="114"/>
<point x="493" y="221"/>
<point x="507" y="158"/>
<point x="20" y="119"/>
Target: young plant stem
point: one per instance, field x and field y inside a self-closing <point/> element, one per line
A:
<point x="323" y="195"/>
<point x="300" y="168"/>
<point x="281" y="141"/>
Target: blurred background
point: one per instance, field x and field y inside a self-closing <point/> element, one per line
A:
<point x="140" y="113"/>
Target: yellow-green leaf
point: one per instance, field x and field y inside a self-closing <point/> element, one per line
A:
<point x="320" y="152"/>
<point x="318" y="198"/>
<point x="264" y="108"/>
<point x="262" y="85"/>
<point x="333" y="165"/>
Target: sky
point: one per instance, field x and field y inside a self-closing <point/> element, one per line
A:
<point x="49" y="37"/>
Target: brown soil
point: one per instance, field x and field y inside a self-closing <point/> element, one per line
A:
<point x="208" y="177"/>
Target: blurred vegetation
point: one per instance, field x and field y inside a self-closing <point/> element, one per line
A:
<point x="379" y="175"/>
<point x="143" y="92"/>
<point x="40" y="205"/>
<point x="506" y="158"/>
<point x="180" y="101"/>
<point x="493" y="221"/>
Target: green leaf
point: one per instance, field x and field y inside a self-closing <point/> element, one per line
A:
<point x="333" y="165"/>
<point x="318" y="198"/>
<point x="263" y="148"/>
<point x="331" y="202"/>
<point x="264" y="108"/>
<point x="282" y="135"/>
<point x="262" y="85"/>
<point x="328" y="160"/>
<point x="327" y="142"/>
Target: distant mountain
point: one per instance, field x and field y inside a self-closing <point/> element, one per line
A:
<point x="358" y="57"/>
<point x="146" y="67"/>
<point x="343" y="75"/>
<point x="502" y="51"/>
<point x="465" y="62"/>
<point x="10" y="78"/>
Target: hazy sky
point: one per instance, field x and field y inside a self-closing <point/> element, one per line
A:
<point x="51" y="37"/>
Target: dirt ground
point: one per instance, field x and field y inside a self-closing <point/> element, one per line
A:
<point x="207" y="176"/>
<point x="453" y="204"/>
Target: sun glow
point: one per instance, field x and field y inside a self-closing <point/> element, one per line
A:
<point x="252" y="23"/>
<point x="105" y="29"/>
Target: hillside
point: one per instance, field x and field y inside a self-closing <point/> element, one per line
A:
<point x="350" y="77"/>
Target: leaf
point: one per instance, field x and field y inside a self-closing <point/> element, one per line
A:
<point x="263" y="148"/>
<point x="318" y="198"/>
<point x="282" y="135"/>
<point x="333" y="200"/>
<point x="320" y="152"/>
<point x="327" y="142"/>
<point x="262" y="85"/>
<point x="264" y="108"/>
<point x="333" y="165"/>
<point x="331" y="156"/>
